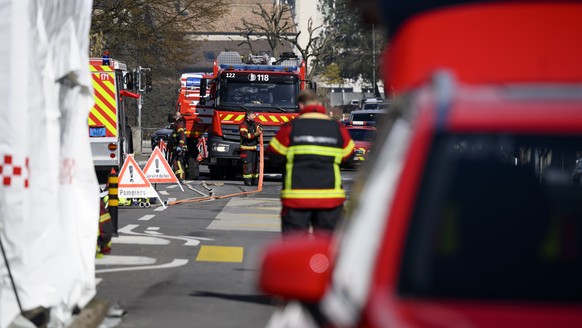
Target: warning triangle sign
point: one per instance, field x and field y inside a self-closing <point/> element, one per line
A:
<point x="157" y="169"/>
<point x="133" y="183"/>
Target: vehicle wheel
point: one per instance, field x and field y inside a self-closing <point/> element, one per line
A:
<point x="231" y="172"/>
<point x="216" y="172"/>
<point x="193" y="169"/>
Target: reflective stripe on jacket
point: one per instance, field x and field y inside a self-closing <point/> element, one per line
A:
<point x="314" y="147"/>
<point x="248" y="140"/>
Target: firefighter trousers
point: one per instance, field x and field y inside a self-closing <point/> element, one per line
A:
<point x="299" y="219"/>
<point x="250" y="167"/>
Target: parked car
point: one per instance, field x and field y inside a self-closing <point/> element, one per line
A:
<point x="468" y="215"/>
<point x="365" y="117"/>
<point x="161" y="134"/>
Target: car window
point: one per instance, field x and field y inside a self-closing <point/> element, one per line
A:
<point x="366" y="117"/>
<point x="498" y="217"/>
<point x="362" y="134"/>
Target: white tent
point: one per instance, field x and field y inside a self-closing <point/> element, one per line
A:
<point x="49" y="208"/>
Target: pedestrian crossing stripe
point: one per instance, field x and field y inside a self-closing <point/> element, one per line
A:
<point x="220" y="254"/>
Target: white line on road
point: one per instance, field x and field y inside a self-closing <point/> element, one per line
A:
<point x="163" y="192"/>
<point x="190" y="240"/>
<point x="196" y="190"/>
<point x="146" y="217"/>
<point x="172" y="187"/>
<point x="153" y="228"/>
<point x="153" y="232"/>
<point x="124" y="260"/>
<point x="98" y="280"/>
<point x="173" y="264"/>
<point x="140" y="240"/>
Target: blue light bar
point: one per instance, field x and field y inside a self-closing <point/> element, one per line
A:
<point x="271" y="68"/>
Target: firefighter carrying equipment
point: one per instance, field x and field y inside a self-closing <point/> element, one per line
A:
<point x="249" y="138"/>
<point x="179" y="147"/>
<point x="314" y="146"/>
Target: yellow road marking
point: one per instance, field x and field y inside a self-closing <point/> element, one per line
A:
<point x="220" y="254"/>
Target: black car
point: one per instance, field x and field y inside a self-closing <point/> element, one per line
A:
<point x="161" y="134"/>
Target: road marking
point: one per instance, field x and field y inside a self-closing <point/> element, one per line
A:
<point x="249" y="214"/>
<point x="146" y="217"/>
<point x="172" y="187"/>
<point x="189" y="240"/>
<point x="220" y="254"/>
<point x="150" y="232"/>
<point x="196" y="190"/>
<point x="163" y="192"/>
<point x="173" y="264"/>
<point x="140" y="240"/>
<point x="171" y="199"/>
<point x="98" y="280"/>
<point x="153" y="228"/>
<point x="124" y="260"/>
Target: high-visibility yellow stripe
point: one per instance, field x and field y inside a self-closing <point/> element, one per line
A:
<point x="240" y="117"/>
<point x="104" y="217"/>
<point x="98" y="68"/>
<point x="103" y="93"/>
<point x="113" y="202"/>
<point x="274" y="118"/>
<point x="113" y="179"/>
<point x="105" y="109"/>
<point x="285" y="119"/>
<point x="262" y="118"/>
<point x="105" y="122"/>
<point x="228" y="117"/>
<point x="91" y="122"/>
<point x="278" y="146"/>
<point x="113" y="191"/>
<point x="313" y="193"/>
<point x="337" y="153"/>
<point x="349" y="149"/>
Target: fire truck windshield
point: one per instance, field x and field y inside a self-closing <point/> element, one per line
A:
<point x="260" y="96"/>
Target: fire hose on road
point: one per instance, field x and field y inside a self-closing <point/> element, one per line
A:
<point x="259" y="187"/>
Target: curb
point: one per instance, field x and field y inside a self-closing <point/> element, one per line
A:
<point x="92" y="315"/>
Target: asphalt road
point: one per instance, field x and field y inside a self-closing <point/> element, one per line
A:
<point x="193" y="264"/>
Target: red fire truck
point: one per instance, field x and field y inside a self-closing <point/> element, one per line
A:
<point x="262" y="84"/>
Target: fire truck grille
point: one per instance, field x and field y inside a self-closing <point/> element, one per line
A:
<point x="231" y="133"/>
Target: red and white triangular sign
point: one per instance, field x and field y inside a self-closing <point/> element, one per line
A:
<point x="157" y="169"/>
<point x="133" y="183"/>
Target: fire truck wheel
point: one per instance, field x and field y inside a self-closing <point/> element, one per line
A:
<point x="193" y="169"/>
<point x="216" y="172"/>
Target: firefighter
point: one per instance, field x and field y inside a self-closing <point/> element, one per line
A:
<point x="313" y="147"/>
<point x="105" y="231"/>
<point x="180" y="148"/>
<point x="249" y="142"/>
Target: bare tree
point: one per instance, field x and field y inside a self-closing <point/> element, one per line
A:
<point x="152" y="32"/>
<point x="316" y="46"/>
<point x="274" y="24"/>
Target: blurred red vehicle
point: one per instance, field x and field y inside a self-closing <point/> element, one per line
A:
<point x="363" y="137"/>
<point x="471" y="215"/>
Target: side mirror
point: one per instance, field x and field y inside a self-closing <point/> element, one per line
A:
<point x="128" y="79"/>
<point x="202" y="87"/>
<point x="170" y="118"/>
<point x="298" y="268"/>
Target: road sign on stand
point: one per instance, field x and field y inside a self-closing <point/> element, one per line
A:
<point x="157" y="169"/>
<point x="133" y="182"/>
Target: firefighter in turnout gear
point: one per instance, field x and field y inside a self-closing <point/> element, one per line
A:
<point x="180" y="148"/>
<point x="249" y="142"/>
<point x="105" y="231"/>
<point x="313" y="147"/>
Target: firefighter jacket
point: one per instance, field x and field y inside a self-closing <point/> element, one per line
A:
<point x="179" y="133"/>
<point x="248" y="139"/>
<point x="314" y="146"/>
